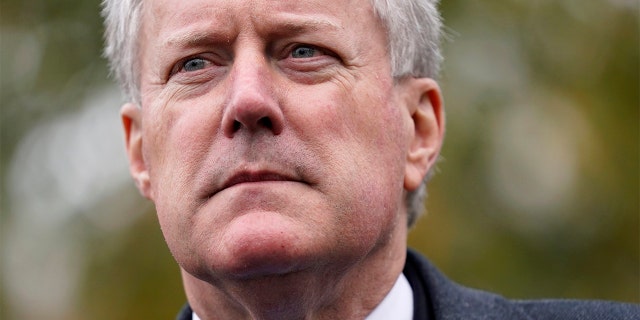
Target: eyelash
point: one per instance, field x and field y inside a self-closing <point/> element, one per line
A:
<point x="320" y="51"/>
<point x="297" y="47"/>
<point x="179" y="67"/>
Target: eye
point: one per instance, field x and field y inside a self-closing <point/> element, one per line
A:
<point x="305" y="51"/>
<point x="308" y="63"/>
<point x="194" y="64"/>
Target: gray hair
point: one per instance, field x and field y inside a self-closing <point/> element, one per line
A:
<point x="413" y="28"/>
<point x="122" y="19"/>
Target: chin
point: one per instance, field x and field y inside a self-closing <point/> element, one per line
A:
<point x="259" y="244"/>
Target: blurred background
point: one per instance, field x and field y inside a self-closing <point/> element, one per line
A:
<point x="537" y="194"/>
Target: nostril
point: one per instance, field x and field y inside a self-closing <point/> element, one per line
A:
<point x="236" y="125"/>
<point x="265" y="122"/>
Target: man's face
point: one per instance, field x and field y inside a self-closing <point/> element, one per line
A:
<point x="271" y="136"/>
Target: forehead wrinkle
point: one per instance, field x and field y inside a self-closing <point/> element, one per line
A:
<point x="302" y="25"/>
<point x="193" y="27"/>
<point x="292" y="23"/>
<point x="212" y="34"/>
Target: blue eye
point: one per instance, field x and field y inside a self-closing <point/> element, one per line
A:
<point x="194" y="64"/>
<point x="304" y="52"/>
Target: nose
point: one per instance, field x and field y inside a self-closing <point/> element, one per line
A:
<point x="252" y="103"/>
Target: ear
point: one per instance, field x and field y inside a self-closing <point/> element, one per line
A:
<point x="424" y="103"/>
<point x="132" y="122"/>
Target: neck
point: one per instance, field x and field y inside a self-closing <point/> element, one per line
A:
<point x="343" y="291"/>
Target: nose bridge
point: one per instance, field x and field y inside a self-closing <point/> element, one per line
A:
<point x="250" y="74"/>
<point x="252" y="103"/>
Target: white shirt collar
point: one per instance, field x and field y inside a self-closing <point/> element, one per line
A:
<point x="398" y="304"/>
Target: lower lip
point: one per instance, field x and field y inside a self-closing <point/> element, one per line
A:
<point x="257" y="184"/>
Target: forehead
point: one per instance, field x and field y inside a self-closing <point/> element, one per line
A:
<point x="172" y="20"/>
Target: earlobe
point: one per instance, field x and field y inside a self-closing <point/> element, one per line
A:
<point x="132" y="123"/>
<point x="424" y="102"/>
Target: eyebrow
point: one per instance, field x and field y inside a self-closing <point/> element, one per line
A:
<point x="191" y="38"/>
<point x="299" y="26"/>
<point x="196" y="37"/>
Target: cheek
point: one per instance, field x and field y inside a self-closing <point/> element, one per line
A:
<point x="175" y="146"/>
<point x="364" y="125"/>
<point x="179" y="135"/>
<point x="360" y="137"/>
<point x="176" y="143"/>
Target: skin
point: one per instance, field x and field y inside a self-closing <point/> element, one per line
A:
<point x="278" y="151"/>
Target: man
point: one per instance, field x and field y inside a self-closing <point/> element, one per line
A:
<point x="285" y="145"/>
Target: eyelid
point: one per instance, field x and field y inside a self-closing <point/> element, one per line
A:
<point x="304" y="45"/>
<point x="209" y="58"/>
<point x="322" y="51"/>
<point x="179" y="66"/>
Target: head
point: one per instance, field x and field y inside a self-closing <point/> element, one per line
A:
<point x="413" y="31"/>
<point x="279" y="139"/>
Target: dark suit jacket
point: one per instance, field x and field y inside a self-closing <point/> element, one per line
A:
<point x="438" y="298"/>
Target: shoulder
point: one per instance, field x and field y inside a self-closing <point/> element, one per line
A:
<point x="185" y="313"/>
<point x="579" y="309"/>
<point x="442" y="298"/>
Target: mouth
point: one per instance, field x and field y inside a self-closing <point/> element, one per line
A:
<point x="254" y="177"/>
